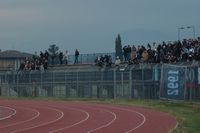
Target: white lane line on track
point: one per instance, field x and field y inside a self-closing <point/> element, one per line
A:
<point x="174" y="127"/>
<point x="75" y="124"/>
<point x="141" y="124"/>
<point x="106" y="125"/>
<point x="9" y="116"/>
<point x="43" y="124"/>
<point x="21" y="122"/>
<point x="140" y="114"/>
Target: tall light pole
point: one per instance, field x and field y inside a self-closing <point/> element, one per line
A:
<point x="179" y="30"/>
<point x="187" y="27"/>
<point x="194" y="36"/>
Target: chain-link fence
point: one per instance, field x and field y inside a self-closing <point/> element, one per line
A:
<point x="126" y="81"/>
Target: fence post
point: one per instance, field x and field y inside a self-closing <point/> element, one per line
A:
<point x="114" y="76"/>
<point x="41" y="82"/>
<point x="13" y="80"/>
<point x="65" y="84"/>
<point x="53" y="83"/>
<point x="6" y="81"/>
<point x="131" y="82"/>
<point x="122" y="83"/>
<point x="143" y="91"/>
<point x="30" y="76"/>
<point x="101" y="88"/>
<point x="77" y="91"/>
<point x="191" y="91"/>
<point x="161" y="81"/>
<point x="32" y="84"/>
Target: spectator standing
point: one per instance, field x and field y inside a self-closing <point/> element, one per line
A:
<point x="76" y="56"/>
<point x="125" y="53"/>
<point x="66" y="57"/>
<point x="133" y="53"/>
<point x="145" y="56"/>
<point x="128" y="52"/>
<point x="117" y="61"/>
<point x="46" y="54"/>
<point x="35" y="56"/>
<point x="41" y="54"/>
<point x="61" y="57"/>
<point x="45" y="64"/>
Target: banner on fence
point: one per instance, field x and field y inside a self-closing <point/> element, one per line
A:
<point x="198" y="75"/>
<point x="173" y="82"/>
<point x="191" y="77"/>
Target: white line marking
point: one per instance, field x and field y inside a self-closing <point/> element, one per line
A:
<point x="144" y="120"/>
<point x="14" y="112"/>
<point x="140" y="114"/>
<point x="106" y="125"/>
<point x="174" y="127"/>
<point x="20" y="122"/>
<point x="75" y="124"/>
<point x="43" y="124"/>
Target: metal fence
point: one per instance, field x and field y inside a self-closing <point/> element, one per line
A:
<point x="126" y="81"/>
<point x="89" y="58"/>
<point x="84" y="58"/>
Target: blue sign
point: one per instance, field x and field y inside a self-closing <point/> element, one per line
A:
<point x="173" y="86"/>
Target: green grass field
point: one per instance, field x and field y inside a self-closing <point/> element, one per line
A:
<point x="187" y="114"/>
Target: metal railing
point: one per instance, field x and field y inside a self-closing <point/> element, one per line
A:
<point x="84" y="58"/>
<point x="126" y="81"/>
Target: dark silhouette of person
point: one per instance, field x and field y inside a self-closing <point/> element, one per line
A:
<point x="76" y="56"/>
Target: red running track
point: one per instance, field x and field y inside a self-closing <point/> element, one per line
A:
<point x="29" y="116"/>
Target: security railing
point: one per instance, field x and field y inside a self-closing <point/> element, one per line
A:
<point x="143" y="81"/>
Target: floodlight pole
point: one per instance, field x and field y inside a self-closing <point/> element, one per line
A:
<point x="187" y="27"/>
<point x="193" y="27"/>
<point x="179" y="34"/>
<point x="179" y="30"/>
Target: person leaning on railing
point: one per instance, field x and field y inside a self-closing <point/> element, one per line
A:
<point x="117" y="61"/>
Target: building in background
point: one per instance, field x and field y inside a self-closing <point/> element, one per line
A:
<point x="11" y="59"/>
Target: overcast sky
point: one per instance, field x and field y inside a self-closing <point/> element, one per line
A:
<point x="92" y="25"/>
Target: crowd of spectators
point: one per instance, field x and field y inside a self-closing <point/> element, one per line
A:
<point x="171" y="52"/>
<point x="36" y="62"/>
<point x="105" y="60"/>
<point x="41" y="61"/>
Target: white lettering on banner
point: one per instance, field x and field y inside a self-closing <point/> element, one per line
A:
<point x="199" y="75"/>
<point x="172" y="83"/>
<point x="190" y="75"/>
